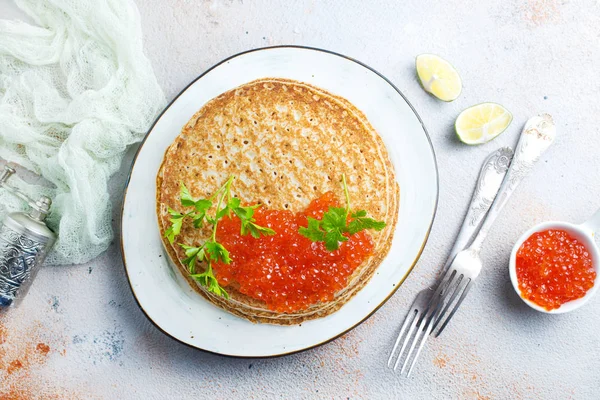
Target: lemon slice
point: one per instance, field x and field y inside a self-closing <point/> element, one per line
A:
<point x="438" y="77"/>
<point x="481" y="123"/>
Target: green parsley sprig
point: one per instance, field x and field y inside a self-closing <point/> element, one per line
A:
<point x="211" y="251"/>
<point x="331" y="229"/>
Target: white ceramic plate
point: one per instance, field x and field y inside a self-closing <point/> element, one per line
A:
<point x="169" y="302"/>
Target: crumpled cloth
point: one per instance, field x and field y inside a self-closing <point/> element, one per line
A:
<point x="75" y="92"/>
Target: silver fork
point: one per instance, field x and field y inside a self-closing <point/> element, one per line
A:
<point x="537" y="135"/>
<point x="490" y="178"/>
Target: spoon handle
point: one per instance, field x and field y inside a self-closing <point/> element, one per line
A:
<point x="490" y="178"/>
<point x="593" y="223"/>
<point x="537" y="135"/>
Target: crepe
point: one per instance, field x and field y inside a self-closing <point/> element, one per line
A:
<point x="287" y="143"/>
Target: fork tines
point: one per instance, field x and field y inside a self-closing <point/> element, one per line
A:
<point x="459" y="286"/>
<point x="415" y="324"/>
<point x="425" y="314"/>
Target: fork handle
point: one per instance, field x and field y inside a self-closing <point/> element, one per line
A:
<point x="537" y="135"/>
<point x="490" y="178"/>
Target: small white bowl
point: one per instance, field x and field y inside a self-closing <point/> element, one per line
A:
<point x="585" y="234"/>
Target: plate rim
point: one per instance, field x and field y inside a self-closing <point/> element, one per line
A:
<point x="410" y="269"/>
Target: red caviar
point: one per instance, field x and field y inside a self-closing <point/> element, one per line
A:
<point x="553" y="268"/>
<point x="288" y="271"/>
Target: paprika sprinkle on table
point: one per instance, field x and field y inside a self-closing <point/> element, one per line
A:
<point x="553" y="268"/>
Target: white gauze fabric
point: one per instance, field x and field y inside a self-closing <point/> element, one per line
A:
<point x="75" y="91"/>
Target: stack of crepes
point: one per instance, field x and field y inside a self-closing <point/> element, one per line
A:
<point x="287" y="143"/>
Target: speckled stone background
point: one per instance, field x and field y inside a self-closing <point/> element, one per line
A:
<point x="80" y="334"/>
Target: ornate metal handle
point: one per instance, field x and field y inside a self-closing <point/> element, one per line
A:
<point x="538" y="134"/>
<point x="490" y="178"/>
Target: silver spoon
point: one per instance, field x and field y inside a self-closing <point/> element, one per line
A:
<point x="490" y="178"/>
<point x="538" y="134"/>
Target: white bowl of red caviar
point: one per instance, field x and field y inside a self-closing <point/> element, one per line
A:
<point x="554" y="266"/>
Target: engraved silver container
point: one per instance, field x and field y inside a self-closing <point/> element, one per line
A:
<point x="24" y="243"/>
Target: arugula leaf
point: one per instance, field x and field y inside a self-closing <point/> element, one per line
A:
<point x="210" y="282"/>
<point x="330" y="229"/>
<point x="223" y="212"/>
<point x="313" y="231"/>
<point x="216" y="252"/>
<point x="192" y="254"/>
<point x="185" y="197"/>
<point x="198" y="219"/>
<point x="334" y="224"/>
<point x="359" y="214"/>
<point x="202" y="206"/>
<point x="248" y="225"/>
<point x="176" y="223"/>
<point x="362" y="223"/>
<point x="233" y="203"/>
<point x="333" y="240"/>
<point x="334" y="219"/>
<point x="211" y="250"/>
<point x="256" y="230"/>
<point x="244" y="213"/>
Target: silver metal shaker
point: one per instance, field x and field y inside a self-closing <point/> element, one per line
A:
<point x="25" y="240"/>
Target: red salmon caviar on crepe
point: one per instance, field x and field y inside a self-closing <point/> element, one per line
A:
<point x="277" y="201"/>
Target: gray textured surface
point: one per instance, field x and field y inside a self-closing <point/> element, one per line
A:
<point x="531" y="56"/>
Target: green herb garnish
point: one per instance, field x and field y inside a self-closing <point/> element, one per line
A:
<point x="211" y="251"/>
<point x="334" y="224"/>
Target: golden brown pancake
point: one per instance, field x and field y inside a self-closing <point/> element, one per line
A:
<point x="287" y="143"/>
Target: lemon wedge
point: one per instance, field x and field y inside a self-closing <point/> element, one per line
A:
<point x="438" y="77"/>
<point x="481" y="123"/>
